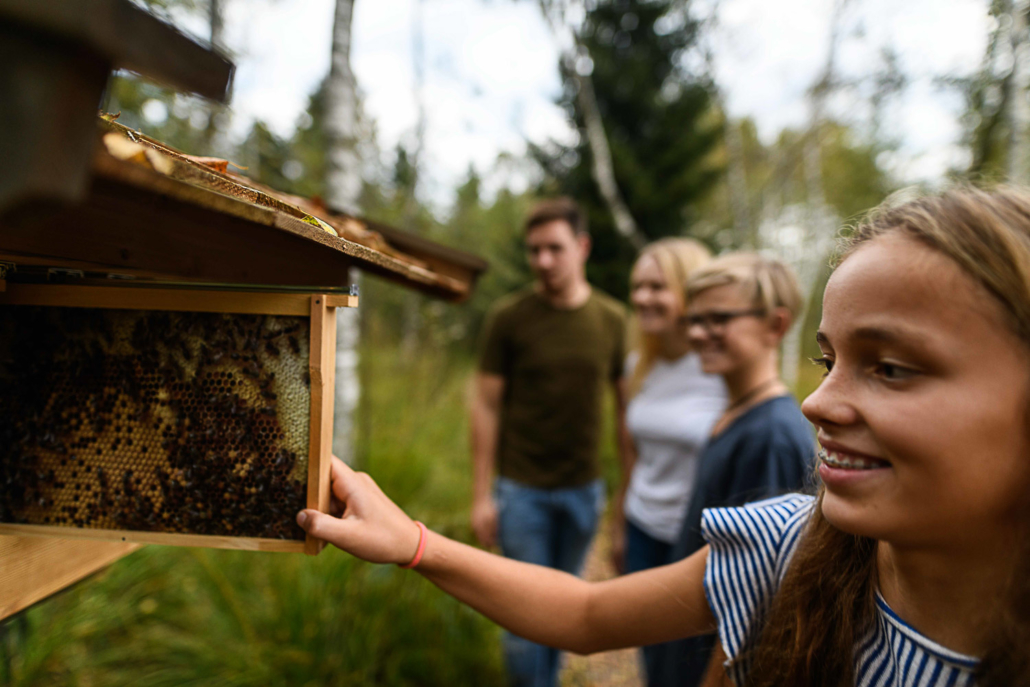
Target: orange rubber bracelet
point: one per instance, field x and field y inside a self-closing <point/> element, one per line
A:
<point x="423" y="535"/>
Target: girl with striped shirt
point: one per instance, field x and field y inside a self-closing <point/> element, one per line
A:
<point x="911" y="565"/>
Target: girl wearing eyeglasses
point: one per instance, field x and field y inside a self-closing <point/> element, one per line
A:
<point x="910" y="566"/>
<point x="741" y="307"/>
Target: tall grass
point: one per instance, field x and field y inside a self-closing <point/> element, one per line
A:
<point x="170" y="616"/>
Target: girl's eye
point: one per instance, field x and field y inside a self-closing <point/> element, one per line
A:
<point x="893" y="372"/>
<point x="825" y="363"/>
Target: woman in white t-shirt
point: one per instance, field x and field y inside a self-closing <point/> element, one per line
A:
<point x="671" y="412"/>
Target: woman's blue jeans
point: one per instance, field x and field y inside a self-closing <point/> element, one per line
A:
<point x="551" y="527"/>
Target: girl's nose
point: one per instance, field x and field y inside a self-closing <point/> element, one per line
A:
<point x="831" y="404"/>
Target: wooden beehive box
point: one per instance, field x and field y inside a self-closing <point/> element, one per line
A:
<point x="166" y="416"/>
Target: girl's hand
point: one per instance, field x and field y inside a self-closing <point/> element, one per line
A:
<point x="370" y="525"/>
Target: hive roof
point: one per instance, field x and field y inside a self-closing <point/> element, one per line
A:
<point x="155" y="212"/>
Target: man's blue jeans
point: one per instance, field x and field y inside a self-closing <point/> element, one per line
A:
<point x="551" y="527"/>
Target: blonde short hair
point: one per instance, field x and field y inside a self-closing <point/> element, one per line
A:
<point x="767" y="283"/>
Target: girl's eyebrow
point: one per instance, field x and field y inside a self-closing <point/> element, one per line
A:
<point x="895" y="335"/>
<point x="882" y="334"/>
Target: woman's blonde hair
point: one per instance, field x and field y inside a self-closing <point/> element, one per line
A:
<point x="826" y="602"/>
<point x="677" y="259"/>
<point x="767" y="283"/>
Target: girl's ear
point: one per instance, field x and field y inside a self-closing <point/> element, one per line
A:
<point x="779" y="321"/>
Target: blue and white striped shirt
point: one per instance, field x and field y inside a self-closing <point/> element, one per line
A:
<point x="750" y="548"/>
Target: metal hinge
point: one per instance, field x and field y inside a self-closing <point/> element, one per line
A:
<point x="354" y="290"/>
<point x="63" y="274"/>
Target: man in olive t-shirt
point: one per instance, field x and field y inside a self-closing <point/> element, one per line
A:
<point x="548" y="353"/>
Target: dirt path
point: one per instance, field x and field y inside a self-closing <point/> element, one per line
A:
<point x="612" y="668"/>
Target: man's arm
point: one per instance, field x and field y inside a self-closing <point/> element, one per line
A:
<point x="487" y="392"/>
<point x="627" y="455"/>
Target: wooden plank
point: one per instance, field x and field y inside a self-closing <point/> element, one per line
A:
<point x="33" y="568"/>
<point x="181" y="300"/>
<point x="323" y="392"/>
<point x="130" y="38"/>
<point x="123" y="229"/>
<point x="48" y="109"/>
<point x="29" y="260"/>
<point x="334" y="300"/>
<point x="167" y="538"/>
<point x="464" y="268"/>
<point x="138" y="220"/>
<point x="229" y="202"/>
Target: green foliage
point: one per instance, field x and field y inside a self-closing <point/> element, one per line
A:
<point x="489" y="229"/>
<point x="185" y="125"/>
<point x="265" y="157"/>
<point x="987" y="93"/>
<point x="167" y="616"/>
<point x="852" y="180"/>
<point x="658" y="123"/>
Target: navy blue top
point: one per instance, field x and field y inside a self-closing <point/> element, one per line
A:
<point x="767" y="451"/>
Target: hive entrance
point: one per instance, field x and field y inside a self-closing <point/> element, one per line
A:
<point x="150" y="421"/>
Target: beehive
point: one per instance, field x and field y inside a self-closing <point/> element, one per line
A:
<point x="162" y="416"/>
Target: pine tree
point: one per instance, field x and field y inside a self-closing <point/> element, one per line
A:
<point x="658" y="122"/>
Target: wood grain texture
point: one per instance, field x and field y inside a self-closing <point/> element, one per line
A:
<point x="323" y="382"/>
<point x="182" y="300"/>
<point x="33" y="568"/>
<point x="341" y="301"/>
<point x="228" y="203"/>
<point x="209" y="541"/>
<point x="137" y="221"/>
<point x="48" y="109"/>
<point x="128" y="37"/>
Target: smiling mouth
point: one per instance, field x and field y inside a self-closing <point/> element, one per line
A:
<point x="848" y="462"/>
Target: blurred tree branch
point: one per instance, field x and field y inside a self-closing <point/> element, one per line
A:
<point x="576" y="59"/>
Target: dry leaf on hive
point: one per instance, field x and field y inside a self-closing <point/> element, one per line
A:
<point x="214" y="163"/>
<point x="122" y="148"/>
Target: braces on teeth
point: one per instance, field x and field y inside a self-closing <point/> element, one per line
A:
<point x="837" y="460"/>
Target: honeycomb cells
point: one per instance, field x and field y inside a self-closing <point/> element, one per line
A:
<point x="190" y="423"/>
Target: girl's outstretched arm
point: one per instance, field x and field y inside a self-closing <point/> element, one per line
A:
<point x="543" y="605"/>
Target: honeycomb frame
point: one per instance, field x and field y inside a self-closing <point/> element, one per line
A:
<point x="121" y="489"/>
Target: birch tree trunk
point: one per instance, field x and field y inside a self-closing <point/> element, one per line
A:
<point x="1018" y="105"/>
<point x="603" y="167"/>
<point x="343" y="189"/>
<point x="819" y="224"/>
<point x="411" y="324"/>
<point x="573" y="56"/>
<point x="736" y="177"/>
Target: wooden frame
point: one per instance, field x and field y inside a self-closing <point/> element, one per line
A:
<point x="320" y="308"/>
<point x="36" y="567"/>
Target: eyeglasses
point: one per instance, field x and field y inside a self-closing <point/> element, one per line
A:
<point x="714" y="321"/>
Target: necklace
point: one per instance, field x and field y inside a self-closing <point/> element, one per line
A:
<point x="751" y="394"/>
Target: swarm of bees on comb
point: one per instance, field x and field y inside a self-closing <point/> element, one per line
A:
<point x="192" y="423"/>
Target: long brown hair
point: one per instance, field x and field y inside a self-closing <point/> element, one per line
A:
<point x="826" y="602"/>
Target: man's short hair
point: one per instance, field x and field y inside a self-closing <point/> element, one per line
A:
<point x="561" y="208"/>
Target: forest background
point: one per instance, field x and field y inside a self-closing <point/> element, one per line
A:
<point x="671" y="163"/>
